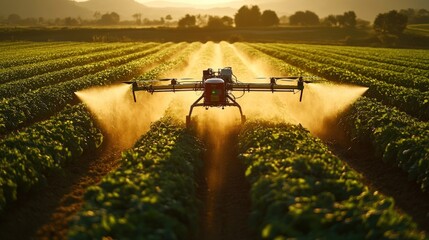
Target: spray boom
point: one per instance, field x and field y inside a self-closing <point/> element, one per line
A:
<point x="217" y="88"/>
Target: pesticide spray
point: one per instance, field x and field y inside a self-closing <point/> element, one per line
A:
<point x="122" y="120"/>
<point x="321" y="104"/>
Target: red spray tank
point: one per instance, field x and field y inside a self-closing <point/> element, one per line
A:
<point x="214" y="92"/>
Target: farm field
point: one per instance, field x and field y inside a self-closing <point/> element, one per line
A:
<point x="79" y="159"/>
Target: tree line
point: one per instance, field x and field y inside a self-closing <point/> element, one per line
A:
<point x="393" y="22"/>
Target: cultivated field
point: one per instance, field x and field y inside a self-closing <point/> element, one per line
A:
<point x="80" y="159"/>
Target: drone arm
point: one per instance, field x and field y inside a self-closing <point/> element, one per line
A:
<point x="268" y="87"/>
<point x="168" y="88"/>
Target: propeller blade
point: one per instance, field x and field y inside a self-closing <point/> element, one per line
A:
<point x="190" y="82"/>
<point x="287" y="77"/>
<point x="287" y="80"/>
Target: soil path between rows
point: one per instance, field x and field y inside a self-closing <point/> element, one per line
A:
<point x="378" y="175"/>
<point x="45" y="214"/>
<point x="224" y="190"/>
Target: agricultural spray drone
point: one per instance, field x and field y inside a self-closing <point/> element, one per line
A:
<point x="217" y="88"/>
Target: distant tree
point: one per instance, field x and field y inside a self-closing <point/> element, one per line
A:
<point x="304" y="18"/>
<point x="248" y="17"/>
<point x="416" y="16"/>
<point x="168" y="17"/>
<point x="187" y="21"/>
<point x="218" y="22"/>
<point x="14" y="19"/>
<point x="97" y="15"/>
<point x="153" y="22"/>
<point x="215" y="22"/>
<point x="69" y="21"/>
<point x="360" y="23"/>
<point x="227" y="21"/>
<point x="29" y="21"/>
<point x="392" y="22"/>
<point x="340" y="19"/>
<point x="255" y="14"/>
<point x="201" y="20"/>
<point x="110" y="18"/>
<point x="349" y="19"/>
<point x="269" y="18"/>
<point x="57" y="21"/>
<point x="330" y="21"/>
<point x="138" y="18"/>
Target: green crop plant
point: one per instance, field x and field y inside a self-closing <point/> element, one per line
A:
<point x="300" y="190"/>
<point x="151" y="195"/>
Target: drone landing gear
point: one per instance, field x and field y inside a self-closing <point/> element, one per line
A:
<point x="233" y="103"/>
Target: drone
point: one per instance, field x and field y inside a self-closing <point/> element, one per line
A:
<point x="218" y="88"/>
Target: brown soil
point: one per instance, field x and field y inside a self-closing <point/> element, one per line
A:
<point x="380" y="176"/>
<point x="46" y="213"/>
<point x="224" y="190"/>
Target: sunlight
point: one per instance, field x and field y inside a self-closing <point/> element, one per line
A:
<point x="197" y="2"/>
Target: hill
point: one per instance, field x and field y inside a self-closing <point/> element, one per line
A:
<point x="43" y="8"/>
<point x="127" y="8"/>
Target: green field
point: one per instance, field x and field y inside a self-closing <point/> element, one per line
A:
<point x="298" y="183"/>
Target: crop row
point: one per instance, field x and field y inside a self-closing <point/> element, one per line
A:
<point x="28" y="156"/>
<point x="29" y="70"/>
<point x="383" y="72"/>
<point x="366" y="56"/>
<point x="22" y="110"/>
<point x="408" y="100"/>
<point x="300" y="190"/>
<point x="151" y="195"/>
<point x="110" y="59"/>
<point x="180" y="60"/>
<point x="30" y="48"/>
<point x="370" y="120"/>
<point x="400" y="57"/>
<point x="22" y="56"/>
<point x="397" y="138"/>
<point x="278" y="65"/>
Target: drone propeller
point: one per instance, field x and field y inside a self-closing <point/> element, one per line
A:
<point x="287" y="80"/>
<point x="288" y="77"/>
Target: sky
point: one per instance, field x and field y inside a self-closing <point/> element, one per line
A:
<point x="190" y="1"/>
<point x="182" y="1"/>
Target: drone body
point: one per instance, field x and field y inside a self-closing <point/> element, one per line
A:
<point x="217" y="88"/>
